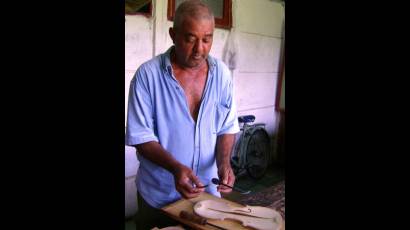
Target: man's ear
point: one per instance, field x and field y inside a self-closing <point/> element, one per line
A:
<point x="172" y="34"/>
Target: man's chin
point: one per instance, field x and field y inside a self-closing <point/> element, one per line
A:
<point x="195" y="63"/>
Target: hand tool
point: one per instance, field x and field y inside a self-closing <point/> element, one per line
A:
<point x="218" y="182"/>
<point x="197" y="219"/>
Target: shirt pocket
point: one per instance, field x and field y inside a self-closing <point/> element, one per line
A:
<point x="220" y="113"/>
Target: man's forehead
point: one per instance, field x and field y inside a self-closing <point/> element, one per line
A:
<point x="192" y="23"/>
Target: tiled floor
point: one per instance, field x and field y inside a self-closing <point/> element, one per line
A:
<point x="272" y="177"/>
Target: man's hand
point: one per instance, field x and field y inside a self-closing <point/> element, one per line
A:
<point x="184" y="181"/>
<point x="226" y="176"/>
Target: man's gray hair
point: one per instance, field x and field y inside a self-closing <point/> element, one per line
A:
<point x="192" y="8"/>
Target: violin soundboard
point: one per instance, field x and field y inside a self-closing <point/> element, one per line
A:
<point x="173" y="210"/>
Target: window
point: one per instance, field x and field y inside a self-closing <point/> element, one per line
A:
<point x="138" y="7"/>
<point x="222" y="11"/>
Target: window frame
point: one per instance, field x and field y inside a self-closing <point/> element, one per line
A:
<point x="225" y="22"/>
<point x="281" y="76"/>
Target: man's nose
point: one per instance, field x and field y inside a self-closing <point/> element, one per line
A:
<point x="198" y="48"/>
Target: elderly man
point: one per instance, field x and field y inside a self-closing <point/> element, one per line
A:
<point x="182" y="118"/>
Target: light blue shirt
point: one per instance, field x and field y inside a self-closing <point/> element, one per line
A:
<point x="158" y="111"/>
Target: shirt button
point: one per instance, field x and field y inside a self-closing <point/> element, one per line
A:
<point x="177" y="87"/>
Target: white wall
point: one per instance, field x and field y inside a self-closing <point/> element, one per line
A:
<point x="138" y="48"/>
<point x="258" y="26"/>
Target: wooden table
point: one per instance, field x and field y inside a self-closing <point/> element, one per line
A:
<point x="174" y="209"/>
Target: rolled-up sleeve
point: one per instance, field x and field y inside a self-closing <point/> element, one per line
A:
<point x="230" y="124"/>
<point x="140" y="120"/>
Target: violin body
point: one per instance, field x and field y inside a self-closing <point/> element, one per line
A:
<point x="253" y="216"/>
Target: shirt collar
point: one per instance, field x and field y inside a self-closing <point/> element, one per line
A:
<point x="166" y="63"/>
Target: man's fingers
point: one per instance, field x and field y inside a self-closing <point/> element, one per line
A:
<point x="189" y="192"/>
<point x="196" y="180"/>
<point x="187" y="187"/>
<point x="223" y="189"/>
<point x="186" y="183"/>
<point x="199" y="186"/>
<point x="225" y="176"/>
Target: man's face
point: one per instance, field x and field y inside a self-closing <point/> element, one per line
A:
<point x="193" y="41"/>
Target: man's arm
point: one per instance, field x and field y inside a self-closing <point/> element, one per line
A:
<point x="224" y="145"/>
<point x="183" y="175"/>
